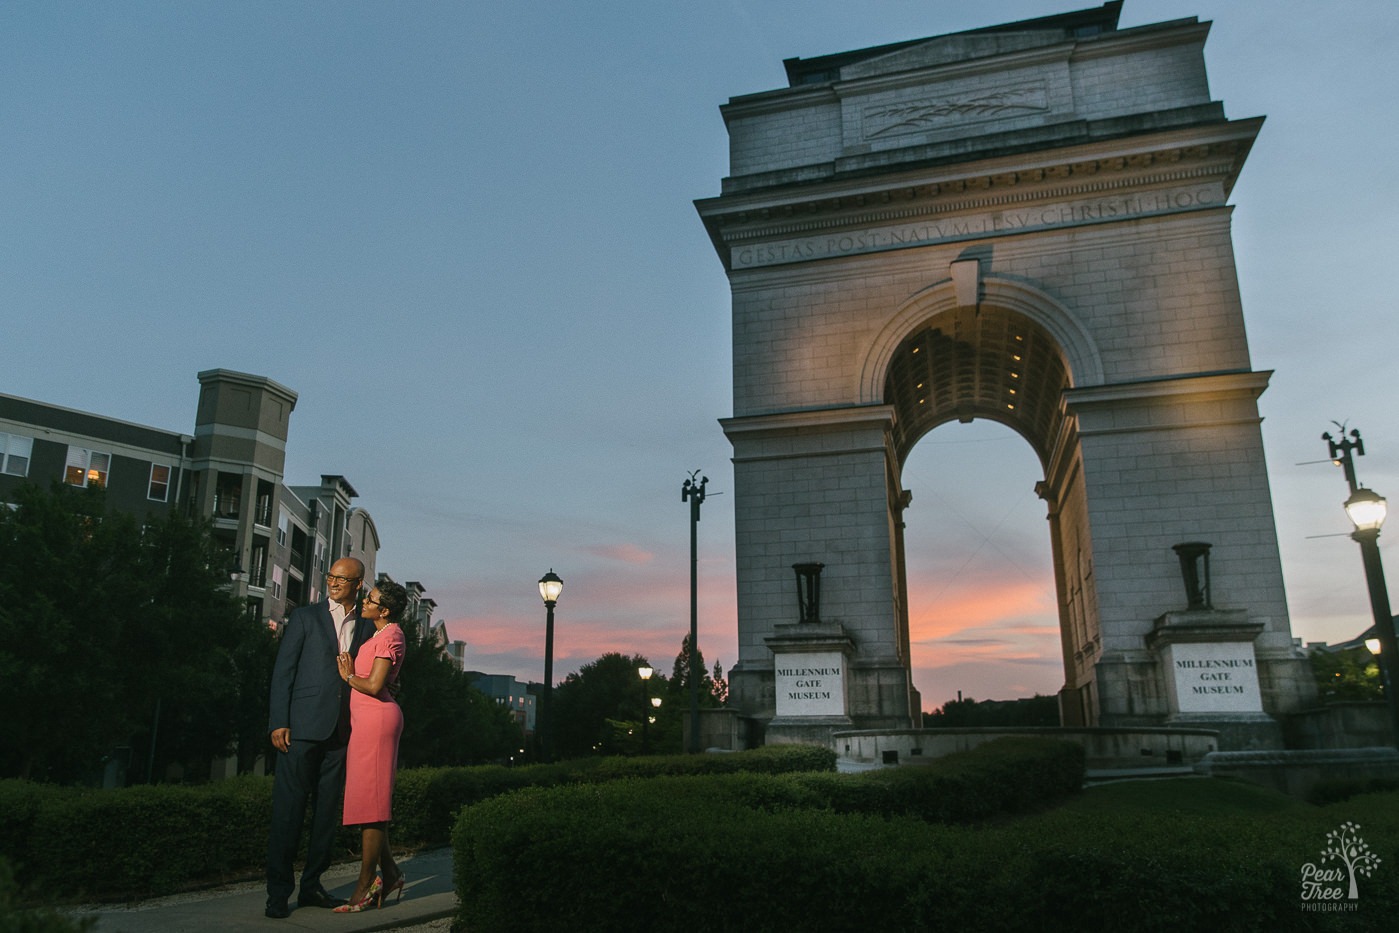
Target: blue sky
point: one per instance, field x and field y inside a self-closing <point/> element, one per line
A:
<point x="464" y="233"/>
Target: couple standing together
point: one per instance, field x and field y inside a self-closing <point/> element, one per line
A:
<point x="336" y="726"/>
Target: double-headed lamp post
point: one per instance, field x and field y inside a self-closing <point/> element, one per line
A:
<point x="550" y="586"/>
<point x="645" y="674"/>
<point x="692" y="491"/>
<point x="1366" y="510"/>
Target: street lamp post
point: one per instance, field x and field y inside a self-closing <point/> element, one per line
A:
<point x="645" y="673"/>
<point x="550" y="586"/>
<point x="692" y="491"/>
<point x="1366" y="510"/>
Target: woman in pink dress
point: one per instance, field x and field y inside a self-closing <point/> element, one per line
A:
<point x="376" y="723"/>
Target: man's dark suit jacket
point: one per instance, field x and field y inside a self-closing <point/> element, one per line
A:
<point x="307" y="692"/>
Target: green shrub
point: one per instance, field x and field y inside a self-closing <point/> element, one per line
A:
<point x="1009" y="775"/>
<point x="19" y="807"/>
<point x="1334" y="790"/>
<point x="426" y="800"/>
<point x="1142" y="856"/>
<point x="136" y="842"/>
<point x="15" y="918"/>
<point x="149" y="840"/>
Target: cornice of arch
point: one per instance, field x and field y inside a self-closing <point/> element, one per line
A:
<point x="819" y="199"/>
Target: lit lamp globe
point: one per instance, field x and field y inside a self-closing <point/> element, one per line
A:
<point x="550" y="586"/>
<point x="1367" y="510"/>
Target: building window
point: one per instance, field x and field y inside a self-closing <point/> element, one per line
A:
<point x="86" y="467"/>
<point x="276" y="582"/>
<point x="257" y="575"/>
<point x="14" y="454"/>
<point x="282" y="522"/>
<point x="160" y="483"/>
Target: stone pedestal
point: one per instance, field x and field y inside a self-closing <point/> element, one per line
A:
<point x="1207" y="660"/>
<point x="810" y="677"/>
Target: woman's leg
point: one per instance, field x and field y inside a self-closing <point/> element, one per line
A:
<point x="386" y="862"/>
<point x="371" y="843"/>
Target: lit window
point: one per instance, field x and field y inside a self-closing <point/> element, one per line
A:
<point x="14" y="454"/>
<point x="86" y="467"/>
<point x="160" y="483"/>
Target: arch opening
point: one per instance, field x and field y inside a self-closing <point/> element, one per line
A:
<point x="979" y="575"/>
<point x="979" y="568"/>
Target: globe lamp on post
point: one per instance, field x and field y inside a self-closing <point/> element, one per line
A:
<point x="550" y="586"/>
<point x="645" y="674"/>
<point x="1367" y="510"/>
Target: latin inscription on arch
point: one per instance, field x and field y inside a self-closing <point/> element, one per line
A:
<point x="968" y="226"/>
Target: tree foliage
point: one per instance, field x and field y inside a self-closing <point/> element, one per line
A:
<point x="118" y="637"/>
<point x="1034" y="711"/>
<point x="1347" y="675"/>
<point x="446" y="721"/>
<point x="599" y="710"/>
<point x="713" y="689"/>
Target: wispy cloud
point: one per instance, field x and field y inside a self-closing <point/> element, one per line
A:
<point x="625" y="553"/>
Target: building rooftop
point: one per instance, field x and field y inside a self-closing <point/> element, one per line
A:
<point x="1078" y="24"/>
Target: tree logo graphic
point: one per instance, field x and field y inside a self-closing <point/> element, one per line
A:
<point x="1337" y="883"/>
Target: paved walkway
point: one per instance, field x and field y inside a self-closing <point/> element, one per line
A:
<point x="427" y="896"/>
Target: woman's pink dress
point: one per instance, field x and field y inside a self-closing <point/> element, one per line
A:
<point x="376" y="723"/>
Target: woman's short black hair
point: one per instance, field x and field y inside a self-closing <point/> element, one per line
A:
<point x="393" y="599"/>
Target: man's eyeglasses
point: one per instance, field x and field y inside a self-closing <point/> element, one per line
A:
<point x="336" y="578"/>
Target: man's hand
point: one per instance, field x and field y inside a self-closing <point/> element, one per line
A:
<point x="281" y="739"/>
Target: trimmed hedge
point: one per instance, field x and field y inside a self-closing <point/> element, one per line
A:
<point x="1009" y="775"/>
<point x="136" y="842"/>
<point x="1185" y="854"/>
<point x="426" y="800"/>
<point x="149" y="840"/>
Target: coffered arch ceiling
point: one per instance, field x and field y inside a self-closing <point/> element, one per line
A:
<point x="984" y="362"/>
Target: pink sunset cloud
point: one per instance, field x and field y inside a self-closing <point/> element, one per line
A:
<point x="991" y="640"/>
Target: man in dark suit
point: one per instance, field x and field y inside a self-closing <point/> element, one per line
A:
<point x="309" y="722"/>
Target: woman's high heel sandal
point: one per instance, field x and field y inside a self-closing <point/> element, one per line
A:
<point x="374" y="896"/>
<point x="396" y="886"/>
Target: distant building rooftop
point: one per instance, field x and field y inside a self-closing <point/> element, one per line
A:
<point x="1078" y="24"/>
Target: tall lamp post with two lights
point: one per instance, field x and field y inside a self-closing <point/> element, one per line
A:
<point x="550" y="586"/>
<point x="1366" y="510"/>
<point x="692" y="491"/>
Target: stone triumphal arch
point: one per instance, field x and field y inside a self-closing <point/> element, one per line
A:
<point x="1026" y="223"/>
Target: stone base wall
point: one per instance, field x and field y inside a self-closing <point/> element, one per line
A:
<point x="1341" y="725"/>
<point x="1105" y="749"/>
<point x="1298" y="772"/>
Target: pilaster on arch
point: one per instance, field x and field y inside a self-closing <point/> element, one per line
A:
<point x="1085" y="366"/>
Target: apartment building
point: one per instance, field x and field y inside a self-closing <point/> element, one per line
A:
<point x="280" y="539"/>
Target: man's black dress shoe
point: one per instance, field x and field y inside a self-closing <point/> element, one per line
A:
<point x="317" y="897"/>
<point x="277" y="908"/>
